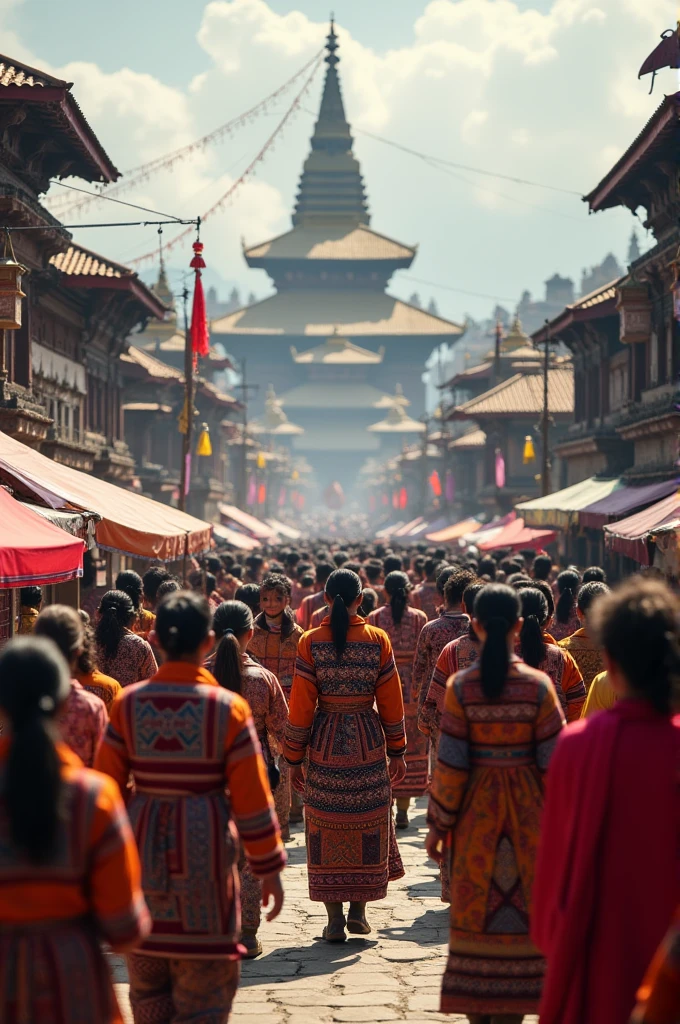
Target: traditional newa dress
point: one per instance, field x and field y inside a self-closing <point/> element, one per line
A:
<point x="351" y="844"/>
<point x="585" y="653"/>
<point x="200" y="783"/>
<point x="486" y="797"/>
<point x="427" y="597"/>
<point x="54" y="917"/>
<point x="404" y="639"/>
<point x="270" y="713"/>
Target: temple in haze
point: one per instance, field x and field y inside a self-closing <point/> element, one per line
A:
<point x="336" y="344"/>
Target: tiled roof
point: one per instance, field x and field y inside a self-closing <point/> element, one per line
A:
<point x="338" y="351"/>
<point x="331" y="243"/>
<point x="598" y="296"/>
<point x="77" y="261"/>
<point x="12" y="73"/>
<point x="327" y="438"/>
<point x="211" y="389"/>
<point x="475" y="439"/>
<point x="154" y="367"/>
<point x="332" y="396"/>
<point x="314" y="313"/>
<point x="523" y="393"/>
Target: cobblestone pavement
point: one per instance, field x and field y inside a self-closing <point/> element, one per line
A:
<point x="391" y="975"/>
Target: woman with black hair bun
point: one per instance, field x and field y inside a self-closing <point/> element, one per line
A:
<point x="200" y="784"/>
<point x="608" y="874"/>
<point x="565" y="621"/>
<point x="500" y="724"/>
<point x="121" y="653"/>
<point x="234" y="669"/>
<point x="69" y="871"/>
<point x="131" y="583"/>
<point x="557" y="663"/>
<point x="403" y="625"/>
<point x="347" y="713"/>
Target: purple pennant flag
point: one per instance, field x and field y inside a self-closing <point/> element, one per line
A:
<point x="500" y="468"/>
<point x="252" y="490"/>
<point x="187" y="473"/>
<point x="450" y="486"/>
<point x="282" y="497"/>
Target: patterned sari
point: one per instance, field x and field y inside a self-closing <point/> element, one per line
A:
<point x="349" y="715"/>
<point x="404" y="639"/>
<point x="486" y="798"/>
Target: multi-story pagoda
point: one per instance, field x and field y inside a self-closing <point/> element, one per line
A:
<point x="331" y="272"/>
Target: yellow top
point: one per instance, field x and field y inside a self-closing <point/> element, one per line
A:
<point x="601" y="696"/>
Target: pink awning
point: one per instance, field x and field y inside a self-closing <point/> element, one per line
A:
<point x="32" y="550"/>
<point x="630" y="537"/>
<point x="517" y="536"/>
<point x="235" y="539"/>
<point x="455" y="531"/>
<point x="254" y="526"/>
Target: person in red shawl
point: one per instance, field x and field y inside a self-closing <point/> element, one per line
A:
<point x="608" y="872"/>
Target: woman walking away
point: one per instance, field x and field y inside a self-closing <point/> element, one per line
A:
<point x="82" y="718"/>
<point x="203" y="766"/>
<point x="344" y="668"/>
<point x="131" y="584"/>
<point x="608" y="876"/>
<point x="566" y="620"/>
<point x="549" y="658"/>
<point x="235" y="670"/>
<point x="498" y="731"/>
<point x="582" y="644"/>
<point x="89" y="676"/>
<point x="403" y="625"/>
<point x="120" y="652"/>
<point x="69" y="869"/>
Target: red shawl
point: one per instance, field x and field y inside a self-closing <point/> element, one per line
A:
<point x="585" y="851"/>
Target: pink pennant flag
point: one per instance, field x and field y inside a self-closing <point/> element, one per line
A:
<point x="500" y="468"/>
<point x="252" y="490"/>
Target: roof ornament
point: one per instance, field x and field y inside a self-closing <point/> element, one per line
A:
<point x="665" y="55"/>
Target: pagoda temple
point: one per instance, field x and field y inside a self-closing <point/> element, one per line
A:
<point x="331" y="336"/>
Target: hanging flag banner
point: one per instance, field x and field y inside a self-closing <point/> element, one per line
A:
<point x="200" y="335"/>
<point x="187" y="473"/>
<point x="435" y="483"/>
<point x="500" y="468"/>
<point x="450" y="486"/>
<point x="252" y="490"/>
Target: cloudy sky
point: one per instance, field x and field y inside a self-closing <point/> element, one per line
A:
<point x="544" y="90"/>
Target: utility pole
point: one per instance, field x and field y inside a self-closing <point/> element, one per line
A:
<point x="545" y="423"/>
<point x="185" y="468"/>
<point x="244" y="388"/>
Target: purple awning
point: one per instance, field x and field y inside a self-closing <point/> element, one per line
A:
<point x="623" y="502"/>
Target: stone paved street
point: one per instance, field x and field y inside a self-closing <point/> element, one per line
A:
<point x="391" y="975"/>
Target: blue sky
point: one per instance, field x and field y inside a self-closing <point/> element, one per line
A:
<point x="539" y="89"/>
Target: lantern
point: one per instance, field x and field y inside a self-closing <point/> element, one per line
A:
<point x="529" y="454"/>
<point x="261" y="460"/>
<point x="204" y="446"/>
<point x="11" y="294"/>
<point x="635" y="312"/>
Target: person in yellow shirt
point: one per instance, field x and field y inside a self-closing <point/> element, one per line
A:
<point x="601" y="696"/>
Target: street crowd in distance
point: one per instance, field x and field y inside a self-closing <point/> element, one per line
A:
<point x="157" y="745"/>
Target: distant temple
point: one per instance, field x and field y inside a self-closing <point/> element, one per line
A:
<point x="333" y="340"/>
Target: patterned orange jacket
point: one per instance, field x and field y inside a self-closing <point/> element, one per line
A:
<point x="277" y="651"/>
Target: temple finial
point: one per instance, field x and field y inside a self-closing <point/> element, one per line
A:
<point x="332" y="44"/>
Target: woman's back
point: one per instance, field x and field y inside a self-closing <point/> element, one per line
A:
<point x="132" y="661"/>
<point x="404" y="634"/>
<point x="359" y="668"/>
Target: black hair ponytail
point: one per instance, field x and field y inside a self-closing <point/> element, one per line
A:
<point x="34" y="683"/>
<point x="116" y="614"/>
<point x="231" y="620"/>
<point x="344" y="587"/>
<point x="182" y="623"/>
<point x="397" y="586"/>
<point x="535" y="614"/>
<point x="497" y="609"/>
<point x="567" y="585"/>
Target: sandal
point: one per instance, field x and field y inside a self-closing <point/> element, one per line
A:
<point x="334" y="930"/>
<point x="358" y="925"/>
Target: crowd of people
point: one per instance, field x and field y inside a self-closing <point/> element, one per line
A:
<point x="157" y="746"/>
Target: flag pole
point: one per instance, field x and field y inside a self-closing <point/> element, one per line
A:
<point x="185" y="468"/>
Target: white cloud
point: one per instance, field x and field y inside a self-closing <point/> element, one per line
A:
<point x="548" y="94"/>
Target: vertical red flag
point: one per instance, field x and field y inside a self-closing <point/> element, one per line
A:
<point x="200" y="337"/>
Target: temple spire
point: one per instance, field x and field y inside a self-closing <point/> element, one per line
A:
<point x="331" y="185"/>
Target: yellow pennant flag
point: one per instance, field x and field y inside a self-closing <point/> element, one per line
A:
<point x="204" y="446"/>
<point x="529" y="453"/>
<point x="183" y="418"/>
